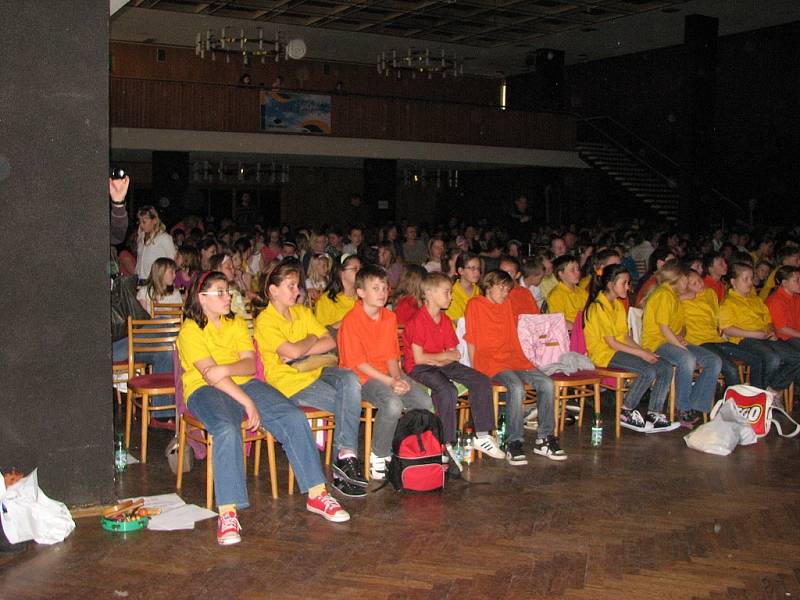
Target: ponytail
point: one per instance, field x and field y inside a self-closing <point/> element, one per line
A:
<point x="600" y="284"/>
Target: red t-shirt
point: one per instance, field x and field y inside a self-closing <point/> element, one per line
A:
<point x="522" y="301"/>
<point x="492" y="329"/>
<point x="363" y="339"/>
<point x="405" y="309"/>
<point x="717" y="286"/>
<point x="644" y="289"/>
<point x="433" y="337"/>
<point x="784" y="308"/>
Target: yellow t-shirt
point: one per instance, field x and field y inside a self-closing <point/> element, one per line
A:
<point x="702" y="318"/>
<point x="605" y="319"/>
<point x="662" y="308"/>
<point x="746" y="313"/>
<point x="585" y="283"/>
<point x="329" y="312"/>
<point x="769" y="284"/>
<point x="564" y="300"/>
<point x="459" y="302"/>
<point x="548" y="284"/>
<point x="223" y="345"/>
<point x="272" y="330"/>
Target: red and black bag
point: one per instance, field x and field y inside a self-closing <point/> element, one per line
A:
<point x="417" y="449"/>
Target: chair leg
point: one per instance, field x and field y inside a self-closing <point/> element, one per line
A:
<point x="273" y="470"/>
<point x="329" y="443"/>
<point x="672" y="394"/>
<point x="128" y="418"/>
<point x="496" y="404"/>
<point x="181" y="451"/>
<point x="788" y="398"/>
<point x="257" y="457"/>
<point x="291" y="480"/>
<point x="210" y="472"/>
<point x="368" y="412"/>
<point x="618" y="396"/>
<point x="145" y="423"/>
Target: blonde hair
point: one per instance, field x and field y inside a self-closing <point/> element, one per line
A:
<point x="315" y="274"/>
<point x="669" y="273"/>
<point x="159" y="228"/>
<point x="155" y="281"/>
<point x="432" y="280"/>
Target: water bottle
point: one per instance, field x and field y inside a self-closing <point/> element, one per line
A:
<point x="500" y="433"/>
<point x="458" y="450"/>
<point x="120" y="454"/>
<point x="597" y="430"/>
<point x="469" y="447"/>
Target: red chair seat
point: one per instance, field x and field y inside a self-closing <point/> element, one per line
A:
<point x="577" y="376"/>
<point x="153" y="380"/>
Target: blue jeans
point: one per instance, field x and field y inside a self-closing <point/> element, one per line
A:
<point x="515" y="381"/>
<point x="659" y="375"/>
<point x="222" y="416"/>
<point x="161" y="363"/>
<point x="781" y="362"/>
<point x="390" y="406"/>
<point x="337" y="391"/>
<point x="699" y="396"/>
<point x="727" y="351"/>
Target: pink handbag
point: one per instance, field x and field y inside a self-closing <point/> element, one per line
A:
<point x="543" y="338"/>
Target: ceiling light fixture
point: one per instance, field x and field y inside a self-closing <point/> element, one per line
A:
<point x="423" y="62"/>
<point x="229" y="44"/>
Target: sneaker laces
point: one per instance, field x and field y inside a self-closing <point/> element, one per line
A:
<point x="552" y="444"/>
<point x="329" y="502"/>
<point x="229" y="520"/>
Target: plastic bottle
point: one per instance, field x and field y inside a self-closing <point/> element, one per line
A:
<point x="469" y="447"/>
<point x="459" y="447"/>
<point x="120" y="454"/>
<point x="597" y="430"/>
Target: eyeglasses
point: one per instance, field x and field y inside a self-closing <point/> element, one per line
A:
<point x="217" y="293"/>
<point x="351" y="269"/>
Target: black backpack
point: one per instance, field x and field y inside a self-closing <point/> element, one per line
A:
<point x="417" y="449"/>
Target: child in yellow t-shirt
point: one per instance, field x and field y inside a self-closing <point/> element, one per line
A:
<point x="664" y="331"/>
<point x="609" y="345"/>
<point x="340" y="295"/>
<point x="287" y="332"/>
<point x="567" y="297"/>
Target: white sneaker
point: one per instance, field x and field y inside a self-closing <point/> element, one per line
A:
<point x="488" y="446"/>
<point x="377" y="467"/>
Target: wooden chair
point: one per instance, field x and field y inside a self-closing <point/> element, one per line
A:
<point x="160" y="310"/>
<point x="368" y="418"/>
<point x="619" y="382"/>
<point x="151" y="336"/>
<point x="119" y="375"/>
<point x="319" y="420"/>
<point x="497" y="389"/>
<point x="577" y="386"/>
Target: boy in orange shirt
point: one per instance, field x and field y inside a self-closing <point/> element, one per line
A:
<point x="521" y="298"/>
<point x="495" y="351"/>
<point x="432" y="359"/>
<point x="368" y="346"/>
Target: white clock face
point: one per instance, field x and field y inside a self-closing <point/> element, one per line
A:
<point x="296" y="49"/>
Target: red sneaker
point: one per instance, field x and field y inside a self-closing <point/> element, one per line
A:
<point x="228" y="529"/>
<point x="327" y="506"/>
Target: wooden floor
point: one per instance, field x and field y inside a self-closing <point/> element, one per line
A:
<point x="644" y="517"/>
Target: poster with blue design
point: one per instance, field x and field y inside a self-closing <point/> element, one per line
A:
<point x="295" y="113"/>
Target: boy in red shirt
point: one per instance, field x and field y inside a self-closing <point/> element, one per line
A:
<point x="495" y="351"/>
<point x="521" y="298"/>
<point x="368" y="346"/>
<point x="432" y="359"/>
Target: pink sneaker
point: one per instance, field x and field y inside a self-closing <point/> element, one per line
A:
<point x="327" y="506"/>
<point x="228" y="529"/>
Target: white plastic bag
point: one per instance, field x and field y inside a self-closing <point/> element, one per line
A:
<point x="28" y="514"/>
<point x="726" y="430"/>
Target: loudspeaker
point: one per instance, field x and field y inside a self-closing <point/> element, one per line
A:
<point x="380" y="186"/>
<point x="170" y="179"/>
<point x="543" y="88"/>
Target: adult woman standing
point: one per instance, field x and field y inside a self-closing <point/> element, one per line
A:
<point x="153" y="242"/>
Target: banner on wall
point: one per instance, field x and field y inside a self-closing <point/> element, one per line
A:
<point x="295" y="113"/>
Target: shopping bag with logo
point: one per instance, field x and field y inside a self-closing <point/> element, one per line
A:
<point x="543" y="338"/>
<point x="756" y="405"/>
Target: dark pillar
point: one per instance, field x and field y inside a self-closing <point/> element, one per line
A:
<point x="542" y="89"/>
<point x="699" y="98"/>
<point x="55" y="359"/>
<point x="380" y="190"/>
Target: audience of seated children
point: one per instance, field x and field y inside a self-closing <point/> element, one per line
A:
<point x="495" y="351"/>
<point x="431" y="357"/>
<point x="664" y="333"/>
<point x="787" y="256"/>
<point x="287" y="332"/>
<point x="218" y="363"/>
<point x="522" y="301"/>
<point x="368" y="345"/>
<point x="784" y="305"/>
<point x="608" y="343"/>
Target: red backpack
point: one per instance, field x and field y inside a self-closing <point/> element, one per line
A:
<point x="417" y="449"/>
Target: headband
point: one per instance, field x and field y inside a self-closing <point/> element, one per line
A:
<point x="203" y="281"/>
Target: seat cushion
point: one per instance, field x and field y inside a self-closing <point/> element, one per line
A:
<point x="577" y="376"/>
<point x="152" y="380"/>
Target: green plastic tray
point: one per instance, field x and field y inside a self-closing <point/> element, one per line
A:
<point x="124" y="526"/>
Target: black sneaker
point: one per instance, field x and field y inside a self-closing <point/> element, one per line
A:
<point x="349" y="469"/>
<point x="549" y="448"/>
<point x="632" y="419"/>
<point x="690" y="419"/>
<point x="659" y="422"/>
<point x="340" y="486"/>
<point x="515" y="455"/>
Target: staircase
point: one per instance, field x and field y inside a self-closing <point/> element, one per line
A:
<point x="639" y="180"/>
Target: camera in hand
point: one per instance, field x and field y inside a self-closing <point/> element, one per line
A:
<point x="118" y="173"/>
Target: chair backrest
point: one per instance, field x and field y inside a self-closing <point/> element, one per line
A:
<point x="177" y="376"/>
<point x="635" y="316"/>
<point x="150" y="336"/>
<point x="543" y="338"/>
<point x="577" y="340"/>
<point x="461" y="329"/>
<point x="166" y="309"/>
<point x="251" y="325"/>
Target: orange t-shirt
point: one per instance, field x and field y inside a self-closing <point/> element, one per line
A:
<point x="522" y="301"/>
<point x="785" y="311"/>
<point x="492" y="329"/>
<point x="363" y="339"/>
<point x="717" y="286"/>
<point x="644" y="289"/>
